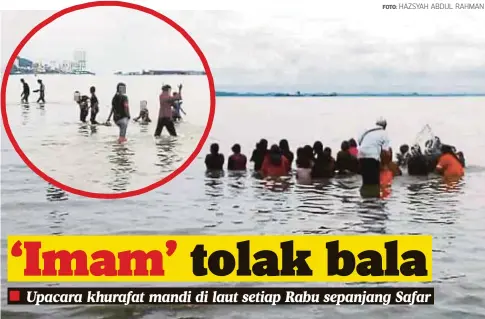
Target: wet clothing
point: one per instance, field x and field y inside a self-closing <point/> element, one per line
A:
<point x="83" y="108"/>
<point x="25" y="92"/>
<point x="94" y="108"/>
<point x="324" y="167"/>
<point x="303" y="174"/>
<point x="258" y="157"/>
<point x="275" y="165"/>
<point x="123" y="125"/>
<point x="121" y="112"/>
<point x="165" y="115"/>
<point x="418" y="165"/>
<point x="214" y="161"/>
<point x="450" y="166"/>
<point x="144" y="116"/>
<point x="237" y="162"/>
<point x="176" y="112"/>
<point x="386" y="177"/>
<point x="290" y="157"/>
<point x="402" y="159"/>
<point x="346" y="163"/>
<point x="120" y="107"/>
<point x="165" y="122"/>
<point x="370" y="169"/>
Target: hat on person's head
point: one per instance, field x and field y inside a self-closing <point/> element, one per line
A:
<point x="381" y="122"/>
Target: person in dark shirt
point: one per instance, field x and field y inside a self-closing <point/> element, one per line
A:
<point x="25" y="92"/>
<point x="324" y="164"/>
<point x="259" y="154"/>
<point x="94" y="105"/>
<point x="144" y="115"/>
<point x="285" y="150"/>
<point x="214" y="160"/>
<point x="41" y="91"/>
<point x="120" y="111"/>
<point x="237" y="161"/>
<point x="346" y="163"/>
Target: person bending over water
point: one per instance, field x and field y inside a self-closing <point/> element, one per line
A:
<point x="94" y="105"/>
<point x="285" y="150"/>
<point x="449" y="164"/>
<point x="274" y="164"/>
<point x="346" y="163"/>
<point x="237" y="161"/>
<point x="214" y="160"/>
<point x="144" y="114"/>
<point x="41" y="91"/>
<point x="165" y="113"/>
<point x="120" y="111"/>
<point x="25" y="92"/>
<point x="82" y="101"/>
<point x="417" y="163"/>
<point x="324" y="164"/>
<point x="353" y="150"/>
<point x="259" y="154"/>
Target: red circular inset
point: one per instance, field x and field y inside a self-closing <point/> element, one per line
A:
<point x="128" y="5"/>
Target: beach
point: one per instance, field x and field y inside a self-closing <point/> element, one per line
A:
<point x="236" y="203"/>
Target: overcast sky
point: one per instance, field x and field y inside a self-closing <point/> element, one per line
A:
<point x="261" y="50"/>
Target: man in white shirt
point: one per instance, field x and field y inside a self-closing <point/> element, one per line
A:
<point x="371" y="144"/>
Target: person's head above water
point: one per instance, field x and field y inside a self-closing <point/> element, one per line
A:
<point x="317" y="147"/>
<point x="284" y="145"/>
<point x="352" y="143"/>
<point x="447" y="149"/>
<point x="263" y="145"/>
<point x="175" y="93"/>
<point x="214" y="148"/>
<point x="121" y="88"/>
<point x="22" y="80"/>
<point x="381" y="122"/>
<point x="236" y="148"/>
<point x="404" y="148"/>
<point x="345" y="146"/>
<point x="39" y="81"/>
<point x="327" y="151"/>
<point x="166" y="88"/>
<point x="92" y="89"/>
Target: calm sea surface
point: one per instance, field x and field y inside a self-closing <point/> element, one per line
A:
<point x="239" y="204"/>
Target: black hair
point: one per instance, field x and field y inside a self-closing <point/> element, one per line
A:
<point x="404" y="148"/>
<point x="345" y="146"/>
<point x="236" y="148"/>
<point x="352" y="143"/>
<point x="284" y="146"/>
<point x="214" y="148"/>
<point x="92" y="89"/>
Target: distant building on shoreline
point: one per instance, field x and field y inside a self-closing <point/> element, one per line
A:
<point x="77" y="66"/>
<point x="162" y="72"/>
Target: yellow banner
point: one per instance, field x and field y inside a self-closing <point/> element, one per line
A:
<point x="219" y="258"/>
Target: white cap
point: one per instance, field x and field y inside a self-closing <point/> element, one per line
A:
<point x="381" y="121"/>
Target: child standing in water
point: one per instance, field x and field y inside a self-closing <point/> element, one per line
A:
<point x="94" y="105"/>
<point x="144" y="114"/>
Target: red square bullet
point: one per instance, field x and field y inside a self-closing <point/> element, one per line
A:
<point x="14" y="295"/>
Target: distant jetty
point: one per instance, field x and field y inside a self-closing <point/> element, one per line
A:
<point x="299" y="94"/>
<point x="162" y="72"/>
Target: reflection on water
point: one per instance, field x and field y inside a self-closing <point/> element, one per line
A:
<point x="25" y="113"/>
<point x="122" y="168"/>
<point x="56" y="218"/>
<point x="166" y="149"/>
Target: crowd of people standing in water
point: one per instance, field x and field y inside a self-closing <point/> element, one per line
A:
<point x="170" y="109"/>
<point x="169" y="112"/>
<point x="371" y="157"/>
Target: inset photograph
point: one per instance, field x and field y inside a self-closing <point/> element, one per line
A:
<point x="108" y="99"/>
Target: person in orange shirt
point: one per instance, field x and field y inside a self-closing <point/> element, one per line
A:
<point x="449" y="165"/>
<point x="387" y="163"/>
<point x="275" y="164"/>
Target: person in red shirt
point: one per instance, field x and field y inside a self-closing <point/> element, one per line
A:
<point x="449" y="165"/>
<point x="237" y="161"/>
<point x="353" y="150"/>
<point x="165" y="113"/>
<point x="275" y="164"/>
